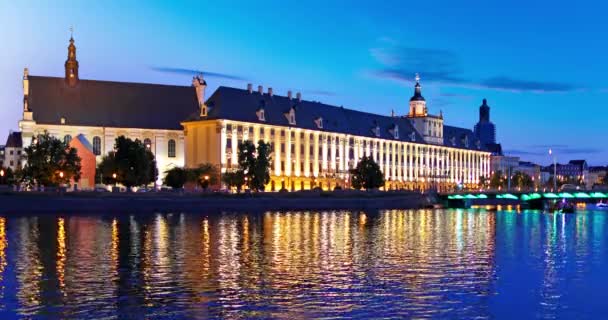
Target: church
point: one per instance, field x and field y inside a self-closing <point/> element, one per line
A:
<point x="96" y="112"/>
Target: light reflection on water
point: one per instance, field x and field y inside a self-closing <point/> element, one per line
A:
<point x="396" y="263"/>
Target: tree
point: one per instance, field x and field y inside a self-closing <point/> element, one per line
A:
<point x="255" y="163"/>
<point x="234" y="179"/>
<point x="522" y="180"/>
<point x="497" y="180"/>
<point x="605" y="179"/>
<point x="484" y="182"/>
<point x="204" y="175"/>
<point x="131" y="162"/>
<point x="367" y="174"/>
<point x="50" y="162"/>
<point x="176" y="177"/>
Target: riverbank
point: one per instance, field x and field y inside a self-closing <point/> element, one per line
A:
<point x="92" y="202"/>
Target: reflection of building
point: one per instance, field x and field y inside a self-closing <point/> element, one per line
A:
<point x="101" y="111"/>
<point x="316" y="144"/>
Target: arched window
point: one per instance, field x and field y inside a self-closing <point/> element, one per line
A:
<point x="67" y="139"/>
<point x="96" y="145"/>
<point x="171" y="150"/>
<point x="147" y="143"/>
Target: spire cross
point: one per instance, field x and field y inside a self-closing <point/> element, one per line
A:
<point x="71" y="31"/>
<point x="417" y="77"/>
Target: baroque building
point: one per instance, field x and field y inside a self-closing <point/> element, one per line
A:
<point x="315" y="144"/>
<point x="97" y="112"/>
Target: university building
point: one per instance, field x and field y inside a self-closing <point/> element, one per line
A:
<point x="315" y="144"/>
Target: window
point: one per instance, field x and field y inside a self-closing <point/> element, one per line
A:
<point x="147" y="143"/>
<point x="18" y="152"/>
<point x="11" y="152"/>
<point x="228" y="143"/>
<point x="96" y="146"/>
<point x="261" y="115"/>
<point x="12" y="163"/>
<point x="171" y="150"/>
<point x="67" y="139"/>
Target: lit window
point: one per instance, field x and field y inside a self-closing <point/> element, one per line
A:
<point x="96" y="146"/>
<point x="67" y="139"/>
<point x="171" y="151"/>
<point x="261" y="115"/>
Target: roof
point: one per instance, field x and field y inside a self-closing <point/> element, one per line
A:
<point x="240" y="105"/>
<point x="458" y="137"/>
<point x="578" y="162"/>
<point x="14" y="140"/>
<point x="417" y="94"/>
<point x="83" y="140"/>
<point x="111" y="104"/>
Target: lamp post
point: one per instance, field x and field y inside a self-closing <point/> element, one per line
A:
<point x="2" y="176"/>
<point x="114" y="177"/>
<point x="554" y="170"/>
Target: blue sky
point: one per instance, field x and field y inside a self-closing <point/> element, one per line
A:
<point x="541" y="64"/>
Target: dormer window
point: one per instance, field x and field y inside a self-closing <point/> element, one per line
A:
<point x="376" y="131"/>
<point x="204" y="111"/>
<point x="413" y="136"/>
<point x="478" y="144"/>
<point x="395" y="131"/>
<point x="261" y="115"/>
<point x="291" y="116"/>
<point x="62" y="120"/>
<point x="466" y="141"/>
<point x="453" y="141"/>
<point x="318" y="122"/>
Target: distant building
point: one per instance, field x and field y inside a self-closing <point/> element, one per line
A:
<point x="573" y="170"/>
<point x="596" y="175"/>
<point x="1" y="156"/>
<point x="504" y="164"/>
<point x="485" y="130"/>
<point x="532" y="170"/>
<point x="13" y="151"/>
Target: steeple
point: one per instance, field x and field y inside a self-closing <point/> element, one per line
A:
<point x="417" y="102"/>
<point x="71" y="64"/>
<point x="484" y="112"/>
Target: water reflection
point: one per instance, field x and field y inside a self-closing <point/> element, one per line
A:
<point x="399" y="263"/>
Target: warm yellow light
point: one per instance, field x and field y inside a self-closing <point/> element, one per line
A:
<point x="61" y="174"/>
<point x="114" y="175"/>
<point x="2" y="173"/>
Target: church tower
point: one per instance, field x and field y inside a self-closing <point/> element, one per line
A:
<point x="417" y="102"/>
<point x="429" y="126"/>
<point x="71" y="65"/>
<point x="485" y="130"/>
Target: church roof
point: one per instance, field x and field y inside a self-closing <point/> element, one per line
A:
<point x="111" y="104"/>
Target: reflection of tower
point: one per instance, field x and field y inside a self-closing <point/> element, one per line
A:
<point x="485" y="130"/>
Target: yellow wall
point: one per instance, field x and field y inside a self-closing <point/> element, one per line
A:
<point x="202" y="143"/>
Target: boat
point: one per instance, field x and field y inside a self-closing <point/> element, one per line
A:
<point x="601" y="205"/>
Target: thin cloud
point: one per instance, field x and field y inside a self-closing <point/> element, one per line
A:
<point x="401" y="63"/>
<point x="192" y="72"/>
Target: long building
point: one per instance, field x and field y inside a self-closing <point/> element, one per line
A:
<point x="315" y="144"/>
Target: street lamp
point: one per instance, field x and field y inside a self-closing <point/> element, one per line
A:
<point x="554" y="170"/>
<point x="114" y="177"/>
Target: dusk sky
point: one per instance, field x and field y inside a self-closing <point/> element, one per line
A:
<point x="541" y="64"/>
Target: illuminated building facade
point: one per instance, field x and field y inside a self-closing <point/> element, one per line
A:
<point x="315" y="144"/>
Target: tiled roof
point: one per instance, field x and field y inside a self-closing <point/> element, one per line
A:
<point x="240" y="105"/>
<point x="111" y="104"/>
<point x="14" y="140"/>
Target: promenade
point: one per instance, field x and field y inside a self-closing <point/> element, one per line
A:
<point x="91" y="202"/>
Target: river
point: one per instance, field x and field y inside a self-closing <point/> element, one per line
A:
<point x="331" y="264"/>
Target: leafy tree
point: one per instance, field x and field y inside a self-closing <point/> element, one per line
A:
<point x="204" y="175"/>
<point x="367" y="174"/>
<point x="605" y="180"/>
<point x="8" y="176"/>
<point x="522" y="180"/>
<point x="497" y="180"/>
<point x="131" y="162"/>
<point x="484" y="182"/>
<point x="50" y="162"/>
<point x="234" y="179"/>
<point x="255" y="163"/>
<point x="176" y="177"/>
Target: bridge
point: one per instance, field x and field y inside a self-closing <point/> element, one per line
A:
<point x="534" y="199"/>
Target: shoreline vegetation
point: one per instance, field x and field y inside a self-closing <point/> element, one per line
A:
<point x="166" y="202"/>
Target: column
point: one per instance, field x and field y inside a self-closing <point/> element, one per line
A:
<point x="341" y="166"/>
<point x="234" y="146"/>
<point x="306" y="154"/>
<point x="324" y="148"/>
<point x="223" y="142"/>
<point x="315" y="166"/>
<point x="333" y="153"/>
<point x="287" y="156"/>
<point x="298" y="151"/>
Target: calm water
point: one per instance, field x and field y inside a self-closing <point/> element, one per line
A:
<point x="435" y="264"/>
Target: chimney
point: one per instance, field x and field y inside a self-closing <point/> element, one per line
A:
<point x="249" y="88"/>
<point x="289" y="96"/>
<point x="270" y="91"/>
<point x="299" y="97"/>
<point x="260" y="90"/>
